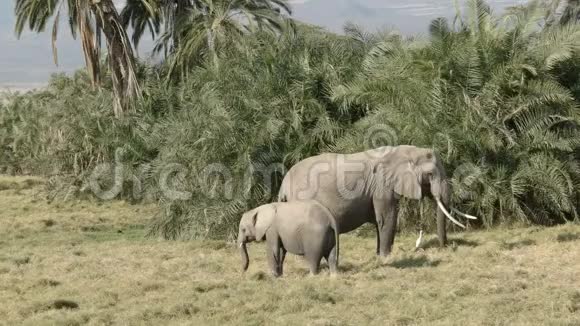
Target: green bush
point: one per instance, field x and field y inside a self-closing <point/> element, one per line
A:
<point x="492" y="99"/>
<point x="497" y="100"/>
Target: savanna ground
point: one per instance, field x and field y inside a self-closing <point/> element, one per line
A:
<point x="84" y="262"/>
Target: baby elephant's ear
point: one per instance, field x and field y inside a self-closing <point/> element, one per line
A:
<point x="263" y="220"/>
<point x="255" y="218"/>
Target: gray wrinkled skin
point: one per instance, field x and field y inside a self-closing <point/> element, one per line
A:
<point x="366" y="187"/>
<point x="304" y="228"/>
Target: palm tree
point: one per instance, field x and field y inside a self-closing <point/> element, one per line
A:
<point x="561" y="11"/>
<point x="195" y="28"/>
<point x="90" y="19"/>
<point x="152" y="14"/>
<point x="215" y="24"/>
<point x="267" y="104"/>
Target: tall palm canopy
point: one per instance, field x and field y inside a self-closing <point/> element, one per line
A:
<point x="151" y="15"/>
<point x="192" y="30"/>
<point x="89" y="19"/>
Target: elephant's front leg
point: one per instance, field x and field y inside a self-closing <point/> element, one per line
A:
<point x="378" y="231"/>
<point x="386" y="214"/>
<point x="282" y="255"/>
<point x="274" y="257"/>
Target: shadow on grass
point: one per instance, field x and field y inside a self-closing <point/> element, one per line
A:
<point x="415" y="262"/>
<point x="8" y="185"/>
<point x="203" y="288"/>
<point x="103" y="233"/>
<point x="517" y="244"/>
<point x="321" y="296"/>
<point x="63" y="304"/>
<point x="347" y="267"/>
<point x="24" y="185"/>
<point x="31" y="183"/>
<point x="567" y="236"/>
<point x="434" y="243"/>
<point x="343" y="267"/>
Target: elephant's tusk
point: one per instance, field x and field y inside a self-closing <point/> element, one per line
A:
<point x="442" y="208"/>
<point x="471" y="217"/>
<point x="241" y="244"/>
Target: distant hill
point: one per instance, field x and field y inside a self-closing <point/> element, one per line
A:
<point x="29" y="59"/>
<point x="19" y="87"/>
<point x="333" y="14"/>
<point x="407" y="16"/>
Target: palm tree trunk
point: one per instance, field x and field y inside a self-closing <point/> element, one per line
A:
<point x="211" y="47"/>
<point x="571" y="13"/>
<point x="90" y="44"/>
<point x="121" y="58"/>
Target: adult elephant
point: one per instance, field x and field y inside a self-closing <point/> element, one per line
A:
<point x="366" y="187"/>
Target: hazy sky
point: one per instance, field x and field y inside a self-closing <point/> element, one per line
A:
<point x="28" y="61"/>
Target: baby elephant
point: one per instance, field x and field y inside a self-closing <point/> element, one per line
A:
<point x="304" y="228"/>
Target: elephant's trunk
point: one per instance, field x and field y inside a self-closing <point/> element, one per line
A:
<point x="245" y="257"/>
<point x="243" y="251"/>
<point x="441" y="194"/>
<point x="446" y="212"/>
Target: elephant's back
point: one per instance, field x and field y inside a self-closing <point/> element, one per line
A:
<point x="298" y="178"/>
<point x="316" y="159"/>
<point x="318" y="178"/>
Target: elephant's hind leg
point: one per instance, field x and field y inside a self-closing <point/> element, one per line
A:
<point x="314" y="266"/>
<point x="313" y="260"/>
<point x="378" y="237"/>
<point x="332" y="260"/>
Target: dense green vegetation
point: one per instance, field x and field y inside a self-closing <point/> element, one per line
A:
<point x="496" y="96"/>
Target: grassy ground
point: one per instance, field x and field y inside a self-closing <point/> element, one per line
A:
<point x="88" y="263"/>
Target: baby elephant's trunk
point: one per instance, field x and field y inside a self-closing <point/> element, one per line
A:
<point x="244" y="253"/>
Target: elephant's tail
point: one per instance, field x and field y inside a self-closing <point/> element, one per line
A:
<point x="336" y="238"/>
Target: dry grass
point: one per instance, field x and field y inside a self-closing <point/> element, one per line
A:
<point x="91" y="265"/>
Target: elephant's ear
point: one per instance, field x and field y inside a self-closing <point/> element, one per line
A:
<point x="401" y="176"/>
<point x="262" y="220"/>
<point x="407" y="181"/>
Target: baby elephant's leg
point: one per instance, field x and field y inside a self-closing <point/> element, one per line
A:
<point x="313" y="263"/>
<point x="313" y="254"/>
